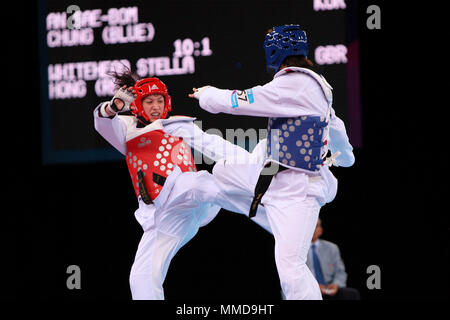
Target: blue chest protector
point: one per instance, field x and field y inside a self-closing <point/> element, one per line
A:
<point x="296" y="142"/>
<point x="300" y="142"/>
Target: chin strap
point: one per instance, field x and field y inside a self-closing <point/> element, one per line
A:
<point x="142" y="122"/>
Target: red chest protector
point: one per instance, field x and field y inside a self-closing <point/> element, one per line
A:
<point x="156" y="152"/>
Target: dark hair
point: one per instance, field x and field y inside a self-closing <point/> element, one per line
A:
<point x="126" y="78"/>
<point x="297" y="61"/>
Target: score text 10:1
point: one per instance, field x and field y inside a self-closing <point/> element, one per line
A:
<point x="187" y="47"/>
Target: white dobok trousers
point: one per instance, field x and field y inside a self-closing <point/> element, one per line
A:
<point x="290" y="211"/>
<point x="168" y="228"/>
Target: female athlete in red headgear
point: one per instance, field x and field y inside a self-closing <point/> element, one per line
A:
<point x="174" y="199"/>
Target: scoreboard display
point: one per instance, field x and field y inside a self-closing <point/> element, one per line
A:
<point x="186" y="44"/>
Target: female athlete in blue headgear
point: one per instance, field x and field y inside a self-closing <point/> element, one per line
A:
<point x="296" y="181"/>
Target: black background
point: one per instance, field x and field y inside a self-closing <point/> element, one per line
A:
<point x="385" y="212"/>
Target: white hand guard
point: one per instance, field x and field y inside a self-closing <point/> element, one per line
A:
<point x="125" y="96"/>
<point x="331" y="160"/>
<point x="199" y="92"/>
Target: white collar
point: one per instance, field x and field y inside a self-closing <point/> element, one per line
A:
<point x="326" y="87"/>
<point x="291" y="69"/>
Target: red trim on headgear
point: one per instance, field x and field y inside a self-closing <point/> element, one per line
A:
<point x="146" y="87"/>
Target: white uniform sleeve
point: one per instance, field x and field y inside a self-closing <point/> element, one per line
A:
<point x="211" y="145"/>
<point x="338" y="141"/>
<point x="112" y="130"/>
<point x="258" y="154"/>
<point x="281" y="97"/>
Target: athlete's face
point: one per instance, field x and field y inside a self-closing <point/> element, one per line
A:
<point x="153" y="106"/>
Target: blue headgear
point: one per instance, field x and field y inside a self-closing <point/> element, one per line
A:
<point x="284" y="41"/>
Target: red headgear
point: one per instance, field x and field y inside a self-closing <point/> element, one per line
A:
<point x="147" y="87"/>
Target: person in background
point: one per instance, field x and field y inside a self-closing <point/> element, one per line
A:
<point x="325" y="262"/>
